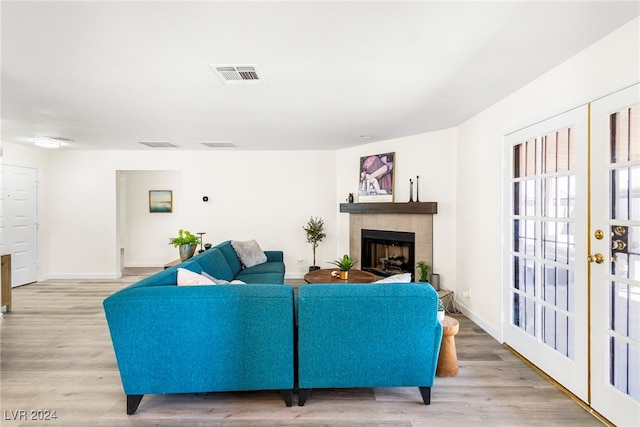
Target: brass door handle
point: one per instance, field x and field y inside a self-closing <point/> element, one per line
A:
<point x="598" y="258"/>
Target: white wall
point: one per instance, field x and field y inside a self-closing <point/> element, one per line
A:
<point x="432" y="156"/>
<point x="267" y="195"/>
<point x="610" y="64"/>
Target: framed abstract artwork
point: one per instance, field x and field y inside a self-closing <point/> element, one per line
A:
<point x="160" y="201"/>
<point x="376" y="178"/>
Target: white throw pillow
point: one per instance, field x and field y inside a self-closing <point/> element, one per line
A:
<point x="188" y="277"/>
<point x="396" y="278"/>
<point x="249" y="252"/>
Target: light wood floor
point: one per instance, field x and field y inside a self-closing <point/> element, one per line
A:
<point x="56" y="355"/>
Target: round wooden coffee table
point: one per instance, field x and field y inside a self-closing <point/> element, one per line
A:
<point x="324" y="276"/>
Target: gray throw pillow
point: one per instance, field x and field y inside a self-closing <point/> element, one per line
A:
<point x="249" y="252"/>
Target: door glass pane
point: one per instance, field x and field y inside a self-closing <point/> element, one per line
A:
<point x="624" y="288"/>
<point x="625" y="135"/>
<point x="543" y="230"/>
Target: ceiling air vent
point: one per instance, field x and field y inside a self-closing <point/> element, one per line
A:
<point x="157" y="144"/>
<point x="235" y="75"/>
<point x="219" y="144"/>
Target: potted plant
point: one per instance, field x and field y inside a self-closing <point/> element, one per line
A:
<point x="315" y="234"/>
<point x="423" y="270"/>
<point x="344" y="264"/>
<point x="186" y="243"/>
<point x="440" y="310"/>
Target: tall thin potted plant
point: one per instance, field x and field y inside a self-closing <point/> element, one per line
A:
<point x="315" y="234"/>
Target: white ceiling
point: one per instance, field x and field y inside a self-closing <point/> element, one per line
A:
<point x="109" y="74"/>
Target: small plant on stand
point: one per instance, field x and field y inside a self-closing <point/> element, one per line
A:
<point x="423" y="269"/>
<point x="440" y="310"/>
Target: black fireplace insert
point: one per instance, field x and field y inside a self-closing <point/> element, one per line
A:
<point x="386" y="253"/>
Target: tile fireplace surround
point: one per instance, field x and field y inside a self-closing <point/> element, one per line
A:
<point x="410" y="217"/>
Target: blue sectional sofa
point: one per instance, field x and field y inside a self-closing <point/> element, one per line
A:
<point x="190" y="339"/>
<point x="232" y="337"/>
<point x="367" y="335"/>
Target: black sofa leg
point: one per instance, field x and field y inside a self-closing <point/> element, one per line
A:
<point x="303" y="395"/>
<point x="287" y="396"/>
<point x="426" y="395"/>
<point x="133" y="400"/>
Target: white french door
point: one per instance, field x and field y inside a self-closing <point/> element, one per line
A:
<point x="572" y="259"/>
<point x="18" y="222"/>
<point x="545" y="259"/>
<point x="615" y="255"/>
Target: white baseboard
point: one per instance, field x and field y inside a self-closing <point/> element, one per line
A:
<point x="294" y="275"/>
<point x="147" y="264"/>
<point x="480" y="322"/>
<point x="82" y="276"/>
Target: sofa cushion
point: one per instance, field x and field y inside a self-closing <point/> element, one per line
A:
<point x="230" y="255"/>
<point x="262" y="278"/>
<point x="161" y="278"/>
<point x="188" y="277"/>
<point x="249" y="252"/>
<point x="215" y="264"/>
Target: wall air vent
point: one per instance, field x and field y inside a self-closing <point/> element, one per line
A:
<point x="237" y="75"/>
<point x="157" y="144"/>
<point x="219" y="144"/>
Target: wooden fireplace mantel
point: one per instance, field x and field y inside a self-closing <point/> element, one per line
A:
<point x="390" y="208"/>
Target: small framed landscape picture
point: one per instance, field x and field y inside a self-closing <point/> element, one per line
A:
<point x="161" y="201"/>
<point x="376" y="178"/>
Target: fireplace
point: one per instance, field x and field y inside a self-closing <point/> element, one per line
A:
<point x="386" y="253"/>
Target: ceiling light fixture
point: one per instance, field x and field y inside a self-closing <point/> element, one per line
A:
<point x="46" y="142"/>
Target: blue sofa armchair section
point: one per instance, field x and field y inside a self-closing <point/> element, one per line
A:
<point x="192" y="339"/>
<point x="367" y="335"/>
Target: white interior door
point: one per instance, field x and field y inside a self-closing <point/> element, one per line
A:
<point x="545" y="272"/>
<point x="615" y="252"/>
<point x="18" y="222"/>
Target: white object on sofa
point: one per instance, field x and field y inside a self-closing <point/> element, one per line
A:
<point x="396" y="278"/>
<point x="188" y="277"/>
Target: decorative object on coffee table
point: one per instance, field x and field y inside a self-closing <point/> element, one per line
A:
<point x="186" y="243"/>
<point x="315" y="234"/>
<point x="344" y="264"/>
